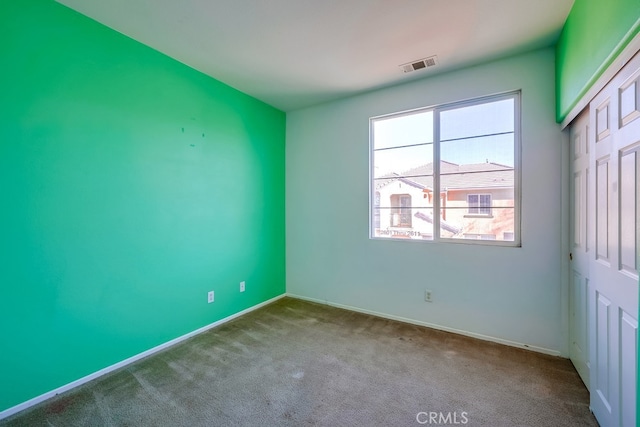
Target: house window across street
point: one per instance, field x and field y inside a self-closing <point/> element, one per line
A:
<point x="479" y="204"/>
<point x="448" y="173"/>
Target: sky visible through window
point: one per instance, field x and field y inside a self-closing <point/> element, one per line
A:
<point x="481" y="133"/>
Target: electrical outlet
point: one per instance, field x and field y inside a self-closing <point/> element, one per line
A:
<point x="428" y="296"/>
<point x="242" y="286"/>
<point x="210" y="297"/>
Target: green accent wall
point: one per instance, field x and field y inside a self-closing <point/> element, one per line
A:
<point x="130" y="185"/>
<point x="595" y="33"/>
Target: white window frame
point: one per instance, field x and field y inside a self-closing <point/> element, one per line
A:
<point x="437" y="109"/>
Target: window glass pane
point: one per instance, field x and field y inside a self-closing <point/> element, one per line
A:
<point x="464" y="198"/>
<point x="493" y="179"/>
<point x="405" y="212"/>
<point x="475" y="198"/>
<point x="486" y="149"/>
<point x="389" y="188"/>
<point x="404" y="223"/>
<point x="402" y="161"/>
<point x="499" y="225"/>
<point x="409" y="129"/>
<point x="482" y="119"/>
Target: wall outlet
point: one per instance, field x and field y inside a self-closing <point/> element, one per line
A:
<point x="428" y="296"/>
<point x="242" y="286"/>
<point x="210" y="297"/>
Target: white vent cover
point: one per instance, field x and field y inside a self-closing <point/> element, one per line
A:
<point x="420" y="64"/>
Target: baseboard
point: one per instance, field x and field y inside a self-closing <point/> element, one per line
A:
<point x="31" y="402"/>
<point x="432" y="325"/>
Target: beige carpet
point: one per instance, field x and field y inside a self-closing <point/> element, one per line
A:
<point x="294" y="363"/>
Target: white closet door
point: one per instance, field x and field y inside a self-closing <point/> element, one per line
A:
<point x="613" y="269"/>
<point x="580" y="246"/>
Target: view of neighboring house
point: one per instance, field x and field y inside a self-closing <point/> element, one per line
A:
<point x="476" y="202"/>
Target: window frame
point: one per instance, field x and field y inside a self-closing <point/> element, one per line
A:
<point x="516" y="95"/>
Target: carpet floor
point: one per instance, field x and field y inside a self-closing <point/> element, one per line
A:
<point x="296" y="363"/>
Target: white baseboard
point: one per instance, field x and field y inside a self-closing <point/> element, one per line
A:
<point x="48" y="395"/>
<point x="433" y="326"/>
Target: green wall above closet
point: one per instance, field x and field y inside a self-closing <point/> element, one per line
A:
<point x="595" y="32"/>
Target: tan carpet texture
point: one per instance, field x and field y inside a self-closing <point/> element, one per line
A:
<point x="295" y="363"/>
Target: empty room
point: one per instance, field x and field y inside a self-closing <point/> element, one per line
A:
<point x="224" y="213"/>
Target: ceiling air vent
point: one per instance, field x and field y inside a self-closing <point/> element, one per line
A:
<point x="429" y="62"/>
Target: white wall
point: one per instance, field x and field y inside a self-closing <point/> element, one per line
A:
<point x="511" y="294"/>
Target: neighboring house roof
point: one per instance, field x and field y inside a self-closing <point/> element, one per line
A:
<point x="392" y="177"/>
<point x="443" y="224"/>
<point x="454" y="176"/>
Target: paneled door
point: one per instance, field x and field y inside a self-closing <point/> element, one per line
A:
<point x="613" y="270"/>
<point x="580" y="246"/>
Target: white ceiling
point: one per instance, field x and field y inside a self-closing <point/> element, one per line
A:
<point x="296" y="53"/>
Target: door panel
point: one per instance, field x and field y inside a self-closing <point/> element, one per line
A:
<point x="629" y="101"/>
<point x="628" y="203"/>
<point x="628" y="358"/>
<point x="603" y="351"/>
<point x="602" y="121"/>
<point x="602" y="210"/>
